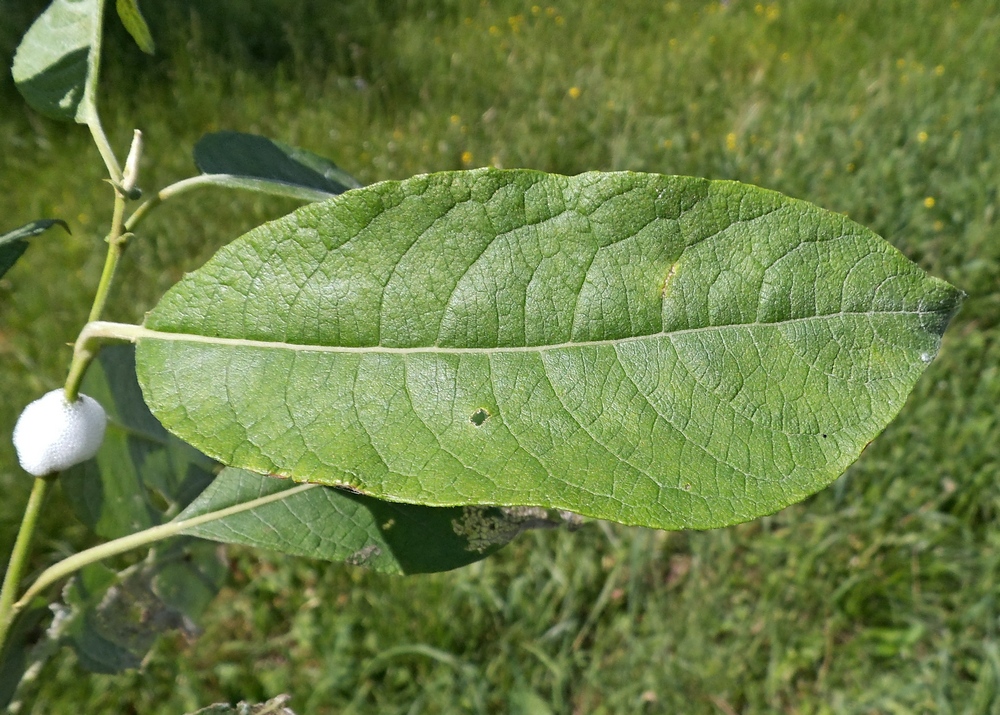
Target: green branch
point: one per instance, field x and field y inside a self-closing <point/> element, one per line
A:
<point x="75" y="562"/>
<point x="104" y="147"/>
<point x="19" y="556"/>
<point x="225" y="181"/>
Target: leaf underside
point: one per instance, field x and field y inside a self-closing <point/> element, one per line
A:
<point x="240" y="160"/>
<point x="336" y="525"/>
<point x="665" y="351"/>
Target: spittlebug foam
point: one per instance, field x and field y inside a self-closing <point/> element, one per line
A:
<point x="53" y="434"/>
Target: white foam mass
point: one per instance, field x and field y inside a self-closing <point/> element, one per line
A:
<point x="53" y="434"/>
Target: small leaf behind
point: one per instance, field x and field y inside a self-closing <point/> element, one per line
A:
<point x="56" y="65"/>
<point x="112" y="619"/>
<point x="13" y="244"/>
<point x="249" y="156"/>
<point x="135" y="23"/>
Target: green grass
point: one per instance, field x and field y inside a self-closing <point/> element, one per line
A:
<point x="879" y="595"/>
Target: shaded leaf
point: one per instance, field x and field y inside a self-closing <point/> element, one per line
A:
<point x="112" y="619"/>
<point x="143" y="475"/>
<point x="186" y="574"/>
<point x="254" y="162"/>
<point x="13" y="244"/>
<point x="19" y="647"/>
<point x="9" y="253"/>
<point x="135" y="23"/>
<point x="56" y="65"/>
<point x="336" y="525"/>
<point x="664" y="351"/>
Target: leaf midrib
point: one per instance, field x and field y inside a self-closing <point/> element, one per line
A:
<point x="138" y="332"/>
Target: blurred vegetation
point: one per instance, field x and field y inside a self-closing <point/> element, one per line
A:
<point x="879" y="594"/>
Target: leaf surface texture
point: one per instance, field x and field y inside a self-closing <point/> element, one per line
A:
<point x="656" y="350"/>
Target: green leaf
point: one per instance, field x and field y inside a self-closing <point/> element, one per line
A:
<point x="665" y="351"/>
<point x="56" y="64"/>
<point x="249" y="161"/>
<point x="336" y="525"/>
<point x="135" y="23"/>
<point x="143" y="475"/>
<point x="13" y="243"/>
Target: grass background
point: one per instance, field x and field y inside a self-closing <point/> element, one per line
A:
<point x="878" y="595"/>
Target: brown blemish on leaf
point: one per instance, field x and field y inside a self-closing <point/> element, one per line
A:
<point x="362" y="556"/>
<point x="485" y="526"/>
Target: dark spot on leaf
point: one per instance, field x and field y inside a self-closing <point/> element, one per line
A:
<point x="479" y="416"/>
<point x="824" y="436"/>
<point x="687" y="487"/>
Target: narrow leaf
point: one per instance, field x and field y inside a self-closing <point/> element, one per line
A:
<point x="13" y="244"/>
<point x="142" y="475"/>
<point x="248" y="156"/>
<point x="655" y="350"/>
<point x="336" y="525"/>
<point x="56" y="65"/>
<point x="135" y="23"/>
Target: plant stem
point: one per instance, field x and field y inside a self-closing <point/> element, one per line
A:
<point x="225" y="181"/>
<point x="117" y="238"/>
<point x="104" y="147"/>
<point x="143" y="538"/>
<point x="81" y="359"/>
<point x="19" y="556"/>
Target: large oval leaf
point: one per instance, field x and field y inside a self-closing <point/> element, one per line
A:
<point x="666" y="351"/>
